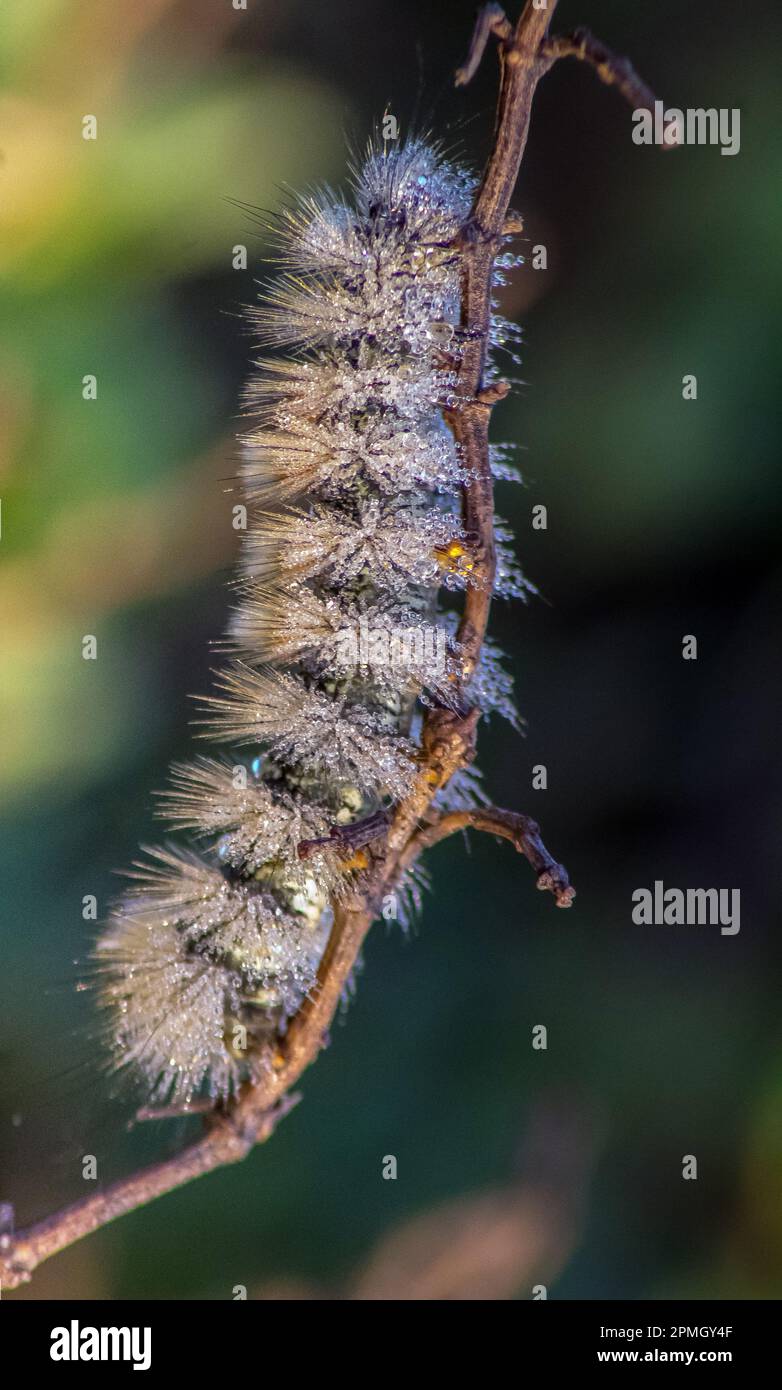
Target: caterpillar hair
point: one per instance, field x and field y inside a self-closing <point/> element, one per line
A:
<point x="337" y="640"/>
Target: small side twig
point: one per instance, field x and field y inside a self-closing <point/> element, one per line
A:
<point x="523" y="833"/>
<point x="492" y="19"/>
<point x="610" y="68"/>
<point x="349" y="837"/>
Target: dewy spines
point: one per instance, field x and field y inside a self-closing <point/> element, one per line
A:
<point x="352" y="483"/>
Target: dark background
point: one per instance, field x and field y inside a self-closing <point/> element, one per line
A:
<point x="515" y="1167"/>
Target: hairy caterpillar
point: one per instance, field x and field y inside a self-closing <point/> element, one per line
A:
<point x="352" y="481"/>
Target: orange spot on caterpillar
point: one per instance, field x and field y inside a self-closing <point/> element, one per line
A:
<point x="359" y="860"/>
<point x="455" y="558"/>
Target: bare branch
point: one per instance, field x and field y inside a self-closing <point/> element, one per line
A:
<point x="522" y="64"/>
<point x="448" y="737"/>
<point x="224" y="1143"/>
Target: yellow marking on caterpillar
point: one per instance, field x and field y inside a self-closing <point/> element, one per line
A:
<point x="358" y="860"/>
<point x="455" y="557"/>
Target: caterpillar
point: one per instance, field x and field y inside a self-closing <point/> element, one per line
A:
<point x="338" y="638"/>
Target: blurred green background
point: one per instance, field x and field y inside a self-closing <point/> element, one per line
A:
<point x="515" y="1167"/>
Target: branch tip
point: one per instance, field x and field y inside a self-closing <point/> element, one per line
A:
<point x="491" y="19"/>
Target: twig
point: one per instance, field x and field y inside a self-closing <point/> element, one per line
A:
<point x="352" y="837"/>
<point x="492" y="19"/>
<point x="448" y="739"/>
<point x="523" y="833"/>
<point x="611" y="69"/>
